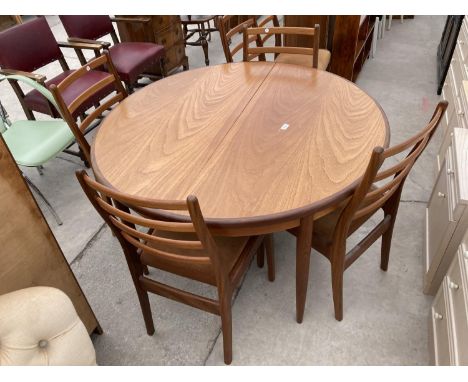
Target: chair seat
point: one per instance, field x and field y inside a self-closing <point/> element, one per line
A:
<point x="36" y="101"/>
<point x="33" y="143"/>
<point x="305" y="59"/>
<point x="231" y="247"/>
<point x="325" y="226"/>
<point x="132" y="58"/>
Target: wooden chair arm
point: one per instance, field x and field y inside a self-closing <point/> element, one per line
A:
<point x="33" y="76"/>
<point x="139" y="20"/>
<point x="103" y="44"/>
<point x="84" y="44"/>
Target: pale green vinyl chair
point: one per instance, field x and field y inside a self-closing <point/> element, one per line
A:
<point x="33" y="143"/>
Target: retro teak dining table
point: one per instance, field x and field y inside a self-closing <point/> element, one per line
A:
<point x="264" y="146"/>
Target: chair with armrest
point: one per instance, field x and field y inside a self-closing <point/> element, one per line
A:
<point x="68" y="106"/>
<point x="185" y="248"/>
<point x="131" y="59"/>
<point x="33" y="143"/>
<point x="27" y="47"/>
<point x="377" y="190"/>
<point x="311" y="57"/>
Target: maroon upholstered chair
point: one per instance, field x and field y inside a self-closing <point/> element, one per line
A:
<point x="131" y="59"/>
<point x="27" y="47"/>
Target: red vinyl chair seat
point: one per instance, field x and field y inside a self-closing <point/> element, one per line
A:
<point x="37" y="102"/>
<point x="132" y="58"/>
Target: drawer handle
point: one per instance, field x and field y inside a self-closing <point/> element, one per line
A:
<point x="438" y="316"/>
<point x="450" y="171"/>
<point x="441" y="194"/>
<point x="453" y="285"/>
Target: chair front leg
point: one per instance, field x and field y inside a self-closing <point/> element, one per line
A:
<point x="303" y="248"/>
<point x="337" y="259"/>
<point x="225" y="310"/>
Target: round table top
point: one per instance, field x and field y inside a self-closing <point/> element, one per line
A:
<point x="255" y="142"/>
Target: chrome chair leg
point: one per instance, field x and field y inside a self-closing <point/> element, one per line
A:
<point x="41" y="195"/>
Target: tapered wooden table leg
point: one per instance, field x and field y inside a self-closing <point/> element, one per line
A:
<point x="303" y="248"/>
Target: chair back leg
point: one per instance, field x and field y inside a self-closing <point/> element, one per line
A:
<point x="261" y="255"/>
<point x="390" y="208"/>
<point x="270" y="255"/>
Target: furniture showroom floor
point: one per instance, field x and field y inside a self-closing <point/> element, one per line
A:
<point x="385" y="314"/>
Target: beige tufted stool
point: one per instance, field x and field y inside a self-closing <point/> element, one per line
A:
<point x="39" y="326"/>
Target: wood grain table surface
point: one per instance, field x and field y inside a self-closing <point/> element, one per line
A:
<point x="260" y="144"/>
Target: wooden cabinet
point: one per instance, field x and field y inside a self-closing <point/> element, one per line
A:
<point x="352" y="42"/>
<point x="448" y="320"/>
<point x="30" y="255"/>
<point x="9" y="21"/>
<point x="307" y="21"/>
<point x="348" y="38"/>
<point x="164" y="30"/>
<point x="447" y="211"/>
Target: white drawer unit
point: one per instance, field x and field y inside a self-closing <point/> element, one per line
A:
<point x="447" y="211"/>
<point x="455" y="92"/>
<point x="448" y="319"/>
<point x="455" y="115"/>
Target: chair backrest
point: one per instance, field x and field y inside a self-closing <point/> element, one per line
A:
<point x="134" y="231"/>
<point x="268" y="22"/>
<point x="254" y="32"/>
<point x="28" y="46"/>
<point x="35" y="85"/>
<point x="68" y="109"/>
<point x="87" y="27"/>
<point x="378" y="187"/>
<point x="227" y="32"/>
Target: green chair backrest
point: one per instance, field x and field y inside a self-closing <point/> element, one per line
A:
<point x="34" y="84"/>
<point x="3" y="125"/>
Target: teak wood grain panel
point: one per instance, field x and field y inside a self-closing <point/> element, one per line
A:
<point x="156" y="142"/>
<point x="30" y="255"/>
<point x="260" y="169"/>
<point x="216" y="132"/>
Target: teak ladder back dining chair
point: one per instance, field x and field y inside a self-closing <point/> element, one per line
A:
<point x="68" y="107"/>
<point x="227" y="33"/>
<point x="304" y="56"/>
<point x="185" y="248"/>
<point x="377" y="190"/>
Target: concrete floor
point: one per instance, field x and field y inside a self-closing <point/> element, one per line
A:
<point x="385" y="314"/>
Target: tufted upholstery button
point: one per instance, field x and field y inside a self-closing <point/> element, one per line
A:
<point x="40" y="326"/>
<point x="43" y="344"/>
